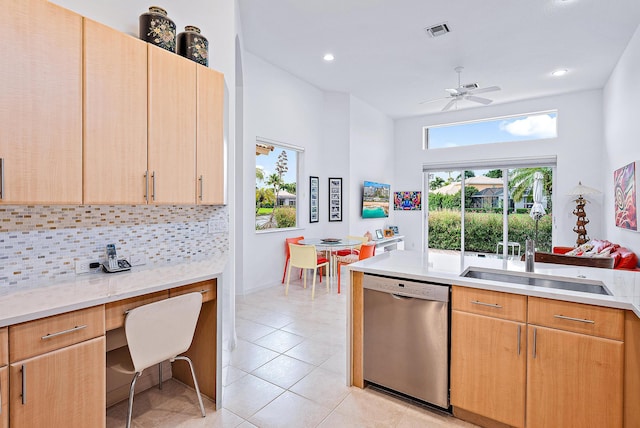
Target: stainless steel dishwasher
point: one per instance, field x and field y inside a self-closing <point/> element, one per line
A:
<point x="406" y="337"/>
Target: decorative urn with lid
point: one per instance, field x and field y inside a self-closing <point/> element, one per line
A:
<point x="156" y="28"/>
<point x="192" y="45"/>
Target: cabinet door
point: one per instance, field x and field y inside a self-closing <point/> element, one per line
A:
<point x="488" y="367"/>
<point x="210" y="164"/>
<point x="172" y="127"/>
<point x="4" y="397"/>
<point x="115" y="116"/>
<point x="63" y="388"/>
<point x="41" y="103"/>
<point x="573" y="380"/>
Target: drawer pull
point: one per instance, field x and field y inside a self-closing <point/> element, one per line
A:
<point x="23" y="369"/>
<point x="60" y="333"/>
<point x="519" y="335"/>
<point x="204" y="291"/>
<point x="491" y="305"/>
<point x="535" y="340"/>
<point x="586" y="321"/>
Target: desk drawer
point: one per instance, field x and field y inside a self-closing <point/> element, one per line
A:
<point x="115" y="311"/>
<point x="4" y="346"/>
<point x="47" y="334"/>
<point x="207" y="288"/>
<point x="577" y="317"/>
<point x="491" y="303"/>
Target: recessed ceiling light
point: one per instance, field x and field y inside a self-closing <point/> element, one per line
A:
<point x="560" y="72"/>
<point x="328" y="57"/>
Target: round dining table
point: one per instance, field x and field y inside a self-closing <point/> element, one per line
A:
<point x="331" y="245"/>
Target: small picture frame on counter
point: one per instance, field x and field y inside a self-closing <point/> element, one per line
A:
<point x="379" y="234"/>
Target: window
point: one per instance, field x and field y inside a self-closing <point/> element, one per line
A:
<point x="533" y="126"/>
<point x="487" y="211"/>
<point x="276" y="185"/>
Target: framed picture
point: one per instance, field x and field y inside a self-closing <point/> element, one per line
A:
<point x="624" y="190"/>
<point x="407" y="201"/>
<point x="388" y="233"/>
<point x="335" y="199"/>
<point x="314" y="186"/>
<point x="394" y="229"/>
<point x="379" y="234"/>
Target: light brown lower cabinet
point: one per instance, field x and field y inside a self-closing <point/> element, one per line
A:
<point x="488" y="371"/>
<point x="62" y="388"/>
<point x="4" y="397"/>
<point x="573" y="380"/>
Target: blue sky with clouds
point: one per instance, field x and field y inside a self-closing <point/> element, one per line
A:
<point x="523" y="128"/>
<point x="268" y="164"/>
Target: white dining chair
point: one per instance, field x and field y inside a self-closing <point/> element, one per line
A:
<point x="305" y="257"/>
<point x="157" y="332"/>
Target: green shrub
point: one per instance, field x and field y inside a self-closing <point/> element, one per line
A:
<point x="285" y="217"/>
<point x="484" y="230"/>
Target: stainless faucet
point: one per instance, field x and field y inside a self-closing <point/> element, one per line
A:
<point x="529" y="255"/>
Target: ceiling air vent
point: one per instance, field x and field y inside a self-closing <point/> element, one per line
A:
<point x="438" y="30"/>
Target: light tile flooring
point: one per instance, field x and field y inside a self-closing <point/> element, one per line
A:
<point x="288" y="370"/>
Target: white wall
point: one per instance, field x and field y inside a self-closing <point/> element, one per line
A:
<point x="621" y="137"/>
<point x="371" y="154"/>
<point x="342" y="137"/>
<point x="578" y="148"/>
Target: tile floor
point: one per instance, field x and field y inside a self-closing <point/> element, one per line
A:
<point x="288" y="370"/>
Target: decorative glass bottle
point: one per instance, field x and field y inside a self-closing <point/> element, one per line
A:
<point x="156" y="28"/>
<point x="192" y="45"/>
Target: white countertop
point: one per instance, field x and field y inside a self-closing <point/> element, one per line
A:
<point x="446" y="269"/>
<point x="25" y="303"/>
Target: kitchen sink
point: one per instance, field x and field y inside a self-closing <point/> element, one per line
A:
<point x="537" y="280"/>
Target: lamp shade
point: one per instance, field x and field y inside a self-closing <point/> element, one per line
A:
<point x="581" y="189"/>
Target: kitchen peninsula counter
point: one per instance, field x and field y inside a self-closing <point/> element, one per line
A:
<point x="446" y="269"/>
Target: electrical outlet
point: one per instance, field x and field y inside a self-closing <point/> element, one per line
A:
<point x="83" y="266"/>
<point x="138" y="259"/>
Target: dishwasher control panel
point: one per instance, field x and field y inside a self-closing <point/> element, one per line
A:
<point x="407" y="288"/>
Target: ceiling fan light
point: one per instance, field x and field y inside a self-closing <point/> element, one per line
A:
<point x="559" y="72"/>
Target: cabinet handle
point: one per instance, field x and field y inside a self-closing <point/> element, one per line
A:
<point x="201" y="180"/>
<point x="146" y="186"/>
<point x="60" y="333"/>
<point x="153" y="186"/>
<point x="519" y="336"/>
<point x="23" y="369"/>
<point x="586" y="321"/>
<point x="1" y="178"/>
<point x="535" y="331"/>
<point x="204" y="291"/>
<point x="491" y="305"/>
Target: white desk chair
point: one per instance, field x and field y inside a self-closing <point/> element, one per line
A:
<point x="155" y="333"/>
<point x="305" y="257"/>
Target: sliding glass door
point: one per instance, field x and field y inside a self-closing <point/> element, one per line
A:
<point x="489" y="212"/>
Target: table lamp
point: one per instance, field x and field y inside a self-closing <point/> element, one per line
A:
<point x="582" y="220"/>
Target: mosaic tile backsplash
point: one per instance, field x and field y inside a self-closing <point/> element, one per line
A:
<point x="43" y="242"/>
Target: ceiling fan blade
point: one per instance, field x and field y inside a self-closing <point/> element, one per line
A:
<point x="433" y="100"/>
<point x="480" y="100"/>
<point x="449" y="104"/>
<point x="483" y="90"/>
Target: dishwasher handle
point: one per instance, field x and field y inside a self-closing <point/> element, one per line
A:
<point x="400" y="297"/>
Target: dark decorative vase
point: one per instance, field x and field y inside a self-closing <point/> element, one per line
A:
<point x="156" y="28"/>
<point x="192" y="45"/>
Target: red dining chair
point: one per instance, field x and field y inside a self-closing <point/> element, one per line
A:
<point x="366" y="250"/>
<point x="352" y="250"/>
<point x="295" y="240"/>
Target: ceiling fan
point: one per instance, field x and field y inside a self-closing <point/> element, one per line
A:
<point x="464" y="92"/>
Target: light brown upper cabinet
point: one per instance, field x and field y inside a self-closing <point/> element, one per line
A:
<point x="41" y="104"/>
<point x="115" y="116"/>
<point x="171" y="128"/>
<point x="209" y="134"/>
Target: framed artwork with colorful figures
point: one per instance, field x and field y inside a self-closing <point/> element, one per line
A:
<point x="407" y="201"/>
